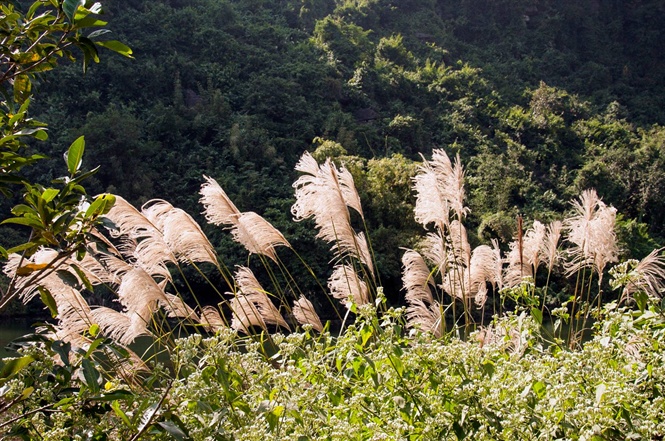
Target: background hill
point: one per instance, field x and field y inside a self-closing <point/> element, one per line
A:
<point x="540" y="98"/>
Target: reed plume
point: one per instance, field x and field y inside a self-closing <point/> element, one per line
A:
<point x="249" y="229"/>
<point x="525" y="256"/>
<point x="211" y="319"/>
<point x="324" y="193"/>
<point x="345" y="284"/>
<point x="439" y="187"/>
<point x="252" y="290"/>
<point x="647" y="276"/>
<point x="422" y="311"/>
<point x="181" y="233"/>
<point x="305" y="314"/>
<point x="218" y="207"/>
<point x="591" y="232"/>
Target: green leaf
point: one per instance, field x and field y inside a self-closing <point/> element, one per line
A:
<point x="15" y="365"/>
<point x="70" y="7"/>
<point x="121" y="414"/>
<point x="537" y="315"/>
<point x="173" y="430"/>
<point x="49" y="194"/>
<point x="101" y="205"/>
<point x="91" y="375"/>
<point x="113" y="396"/>
<point x="117" y="47"/>
<point x="75" y="155"/>
<point x="49" y="301"/>
<point x="62" y="349"/>
<point x="28" y="222"/>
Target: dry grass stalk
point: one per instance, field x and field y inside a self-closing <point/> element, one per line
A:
<point x="305" y="314"/>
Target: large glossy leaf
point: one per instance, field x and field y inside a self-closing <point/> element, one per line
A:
<point x="116" y="46"/>
<point x="14" y="365"/>
<point x="70" y="7"/>
<point x="75" y="155"/>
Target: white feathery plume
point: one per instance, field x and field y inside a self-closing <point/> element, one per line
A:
<point x="176" y="307"/>
<point x="258" y="235"/>
<point x="439" y="187"/>
<point x="424" y="317"/>
<point x="436" y="251"/>
<point x="324" y="193"/>
<point x="211" y="319"/>
<point x="483" y="269"/>
<point x="649" y="276"/>
<point x="551" y="244"/>
<point x="254" y="292"/>
<point x="245" y="314"/>
<point x="431" y="204"/>
<point x="218" y="208"/>
<point x="129" y="221"/>
<point x="524" y="263"/>
<point x="455" y="189"/>
<point x="591" y="231"/>
<point x="344" y="283"/>
<point x="117" y="325"/>
<point x="140" y="295"/>
<point x="249" y="229"/>
<point x="181" y="233"/>
<point x="416" y="277"/>
<point x="304" y="312"/>
<point x="460" y="250"/>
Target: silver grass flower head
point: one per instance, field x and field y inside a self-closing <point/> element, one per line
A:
<point x="459" y="251"/>
<point x="345" y="284"/>
<point x="435" y="250"/>
<point x="525" y="261"/>
<point x="551" y="244"/>
<point x="324" y="193"/>
<point x="181" y="233"/>
<point x="245" y="314"/>
<point x="423" y="316"/>
<point x="139" y="293"/>
<point x="218" y="207"/>
<point x="129" y="221"/>
<point x="175" y="307"/>
<point x="416" y="277"/>
<point x="305" y="314"/>
<point x="648" y="276"/>
<point x="117" y="325"/>
<point x="258" y="235"/>
<point x="590" y="230"/>
<point x="211" y="319"/>
<point x="252" y="290"/>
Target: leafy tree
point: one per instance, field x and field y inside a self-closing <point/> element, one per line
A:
<point x="60" y="216"/>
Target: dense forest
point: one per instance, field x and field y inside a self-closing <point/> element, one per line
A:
<point x="332" y="219"/>
<point x="541" y="99"/>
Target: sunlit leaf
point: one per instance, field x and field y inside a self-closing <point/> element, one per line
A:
<point x="75" y="155"/>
